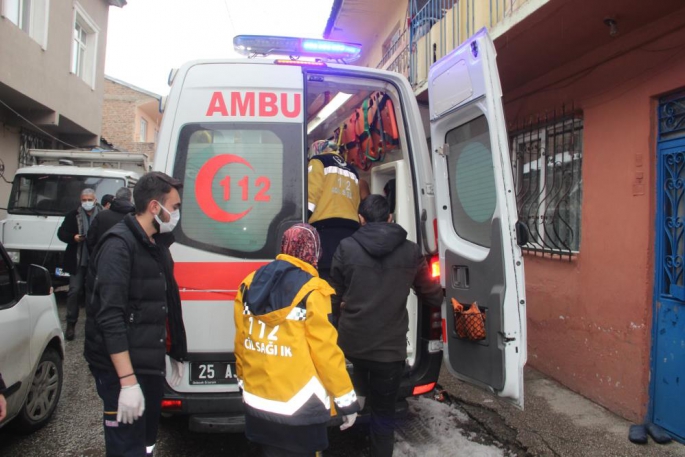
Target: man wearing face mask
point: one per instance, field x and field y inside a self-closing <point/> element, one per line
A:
<point x="134" y="318"/>
<point x="73" y="232"/>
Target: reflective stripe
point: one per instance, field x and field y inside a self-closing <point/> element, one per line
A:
<point x="346" y="400"/>
<point x="149" y="449"/>
<point x="297" y="314"/>
<point x="340" y="171"/>
<point x="309" y="169"/>
<point x="311" y="206"/>
<point x="288" y="408"/>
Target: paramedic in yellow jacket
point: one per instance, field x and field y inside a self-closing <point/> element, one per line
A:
<point x="332" y="199"/>
<point x="288" y="362"/>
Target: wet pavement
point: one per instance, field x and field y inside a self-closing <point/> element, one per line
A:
<point x="431" y="428"/>
<point x="555" y="421"/>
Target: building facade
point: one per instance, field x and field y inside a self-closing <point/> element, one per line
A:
<point x="52" y="60"/>
<point x="595" y="108"/>
<point x="130" y="117"/>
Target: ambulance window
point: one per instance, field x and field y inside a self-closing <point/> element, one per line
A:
<point x="242" y="186"/>
<point x="472" y="181"/>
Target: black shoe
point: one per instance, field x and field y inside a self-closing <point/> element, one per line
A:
<point x="69" y="335"/>
<point x="658" y="434"/>
<point x="638" y="434"/>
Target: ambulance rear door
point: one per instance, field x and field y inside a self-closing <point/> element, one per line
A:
<point x="476" y="207"/>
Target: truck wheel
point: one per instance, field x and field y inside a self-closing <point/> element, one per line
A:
<point x="44" y="393"/>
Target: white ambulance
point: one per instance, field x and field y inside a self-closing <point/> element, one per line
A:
<point x="237" y="132"/>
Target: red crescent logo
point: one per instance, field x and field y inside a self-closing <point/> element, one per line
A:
<point x="203" y="188"/>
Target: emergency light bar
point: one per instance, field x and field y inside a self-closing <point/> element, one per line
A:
<point x="250" y="45"/>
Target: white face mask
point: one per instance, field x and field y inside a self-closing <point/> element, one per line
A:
<point x="174" y="217"/>
<point x="88" y="206"/>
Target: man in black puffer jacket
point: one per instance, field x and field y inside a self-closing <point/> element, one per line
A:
<point x="372" y="273"/>
<point x="105" y="220"/>
<point x="134" y="318"/>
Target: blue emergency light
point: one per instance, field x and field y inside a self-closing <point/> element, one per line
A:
<point x="250" y="45"/>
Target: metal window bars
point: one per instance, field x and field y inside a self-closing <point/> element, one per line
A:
<point x="672" y="116"/>
<point x="547" y="157"/>
<point x="670" y="201"/>
<point x="30" y="140"/>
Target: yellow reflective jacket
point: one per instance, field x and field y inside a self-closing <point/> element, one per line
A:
<point x="288" y="362"/>
<point x="333" y="188"/>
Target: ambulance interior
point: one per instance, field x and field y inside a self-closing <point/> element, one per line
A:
<point x="363" y="117"/>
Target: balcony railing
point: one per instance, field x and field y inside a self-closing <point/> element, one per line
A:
<point x="439" y="27"/>
<point x="397" y="57"/>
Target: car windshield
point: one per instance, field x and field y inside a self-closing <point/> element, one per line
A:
<point x="56" y="195"/>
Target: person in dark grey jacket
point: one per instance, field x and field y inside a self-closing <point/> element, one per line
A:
<point x="134" y="317"/>
<point x="105" y="220"/>
<point x="372" y="273"/>
<point x="73" y="232"/>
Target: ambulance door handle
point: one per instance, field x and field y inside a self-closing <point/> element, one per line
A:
<point x="460" y="277"/>
<point x="424" y="233"/>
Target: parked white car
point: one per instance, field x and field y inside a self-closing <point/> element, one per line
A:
<point x="31" y="345"/>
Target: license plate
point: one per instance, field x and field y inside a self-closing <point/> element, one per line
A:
<point x="207" y="373"/>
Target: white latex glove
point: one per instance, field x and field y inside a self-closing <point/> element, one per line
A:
<point x="131" y="404"/>
<point x="176" y="372"/>
<point x="348" y="421"/>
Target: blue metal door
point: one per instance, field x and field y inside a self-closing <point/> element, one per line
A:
<point x="668" y="345"/>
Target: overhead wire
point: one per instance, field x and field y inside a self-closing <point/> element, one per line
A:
<point x="35" y="126"/>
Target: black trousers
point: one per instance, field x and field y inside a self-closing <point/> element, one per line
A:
<point x="379" y="383"/>
<point x="283" y="440"/>
<point x="331" y="232"/>
<point x="77" y="290"/>
<point x="129" y="440"/>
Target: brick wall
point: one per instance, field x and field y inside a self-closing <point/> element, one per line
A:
<point x="120" y="115"/>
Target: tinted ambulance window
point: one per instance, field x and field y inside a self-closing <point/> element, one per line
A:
<point x="242" y="186"/>
<point x="472" y="181"/>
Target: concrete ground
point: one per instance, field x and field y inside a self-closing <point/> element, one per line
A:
<point x="555" y="422"/>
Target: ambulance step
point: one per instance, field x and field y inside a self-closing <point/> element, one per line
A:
<point x="216" y="424"/>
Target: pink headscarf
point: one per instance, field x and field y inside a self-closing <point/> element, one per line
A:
<point x="319" y="146"/>
<point x="302" y="241"/>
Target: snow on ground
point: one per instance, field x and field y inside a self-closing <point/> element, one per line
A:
<point x="437" y="433"/>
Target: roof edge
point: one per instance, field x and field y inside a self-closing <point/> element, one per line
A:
<point x="335" y="10"/>
<point x="131" y="86"/>
<point x="119" y="3"/>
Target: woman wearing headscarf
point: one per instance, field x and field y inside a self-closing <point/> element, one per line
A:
<point x="288" y="363"/>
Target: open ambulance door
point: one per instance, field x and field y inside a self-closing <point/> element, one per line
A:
<point x="476" y="211"/>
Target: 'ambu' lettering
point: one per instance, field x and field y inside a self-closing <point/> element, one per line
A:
<point x="251" y="104"/>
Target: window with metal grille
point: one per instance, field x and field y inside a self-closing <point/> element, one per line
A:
<point x="547" y="157"/>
